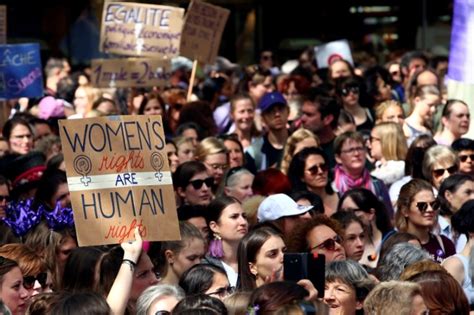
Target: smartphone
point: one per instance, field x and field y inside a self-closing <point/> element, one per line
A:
<point x="299" y="266"/>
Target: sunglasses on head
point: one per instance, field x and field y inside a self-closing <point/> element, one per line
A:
<point x="463" y="158"/>
<point x="329" y="244"/>
<point x="29" y="281"/>
<point x="313" y="170"/>
<point x="197" y="183"/>
<point x="440" y="171"/>
<point x="347" y="90"/>
<point x="423" y="205"/>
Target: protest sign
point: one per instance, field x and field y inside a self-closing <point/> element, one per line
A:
<point x="119" y="179"/>
<point x="135" y="29"/>
<point x="20" y="71"/>
<point x="328" y="53"/>
<point x="138" y="72"/>
<point x="202" y="31"/>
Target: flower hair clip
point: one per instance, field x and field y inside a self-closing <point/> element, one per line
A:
<point x="253" y="310"/>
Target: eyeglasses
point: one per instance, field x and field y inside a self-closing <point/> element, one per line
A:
<point x="197" y="183"/>
<point x="354" y="150"/>
<point x="329" y="244"/>
<point x="440" y="171"/>
<point x="4" y="198"/>
<point x="313" y="170"/>
<point x="216" y="166"/>
<point x="29" y="281"/>
<point x="223" y="292"/>
<point x="353" y="89"/>
<point x="463" y="158"/>
<point x="423" y="205"/>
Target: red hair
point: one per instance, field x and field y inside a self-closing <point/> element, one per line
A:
<point x="271" y="181"/>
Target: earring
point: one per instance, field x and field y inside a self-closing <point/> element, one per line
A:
<point x="215" y="246"/>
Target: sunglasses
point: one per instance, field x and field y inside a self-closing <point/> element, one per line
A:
<point x="313" y="170"/>
<point x="223" y="292"/>
<point x="353" y="89"/>
<point x="4" y="198"/>
<point x="440" y="171"/>
<point x="423" y="205"/>
<point x="29" y="281"/>
<point x="463" y="158"/>
<point x="197" y="183"/>
<point x="329" y="244"/>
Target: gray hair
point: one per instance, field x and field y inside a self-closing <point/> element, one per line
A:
<point x="155" y="292"/>
<point x="352" y="274"/>
<point x="392" y="297"/>
<point x="434" y="155"/>
<point x="397" y="259"/>
<point x="234" y="178"/>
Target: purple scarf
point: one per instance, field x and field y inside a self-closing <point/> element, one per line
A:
<point x="344" y="181"/>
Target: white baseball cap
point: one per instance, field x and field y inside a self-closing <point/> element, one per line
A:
<point x="277" y="206"/>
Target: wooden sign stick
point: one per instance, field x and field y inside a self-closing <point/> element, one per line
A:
<point x="191" y="80"/>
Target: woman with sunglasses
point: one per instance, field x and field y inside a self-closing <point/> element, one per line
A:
<point x="460" y="266"/>
<point x="12" y="291"/>
<point x="309" y="171"/>
<point x="228" y="224"/>
<point x="455" y="122"/>
<point x="320" y="235"/>
<point x="439" y="162"/>
<point x="192" y="184"/>
<point x="417" y="214"/>
<point x="365" y="205"/>
<point x="238" y="183"/>
<point x="213" y="153"/>
<point x="453" y="193"/>
<point x="36" y="278"/>
<point x="349" y="90"/>
<point x="206" y="279"/>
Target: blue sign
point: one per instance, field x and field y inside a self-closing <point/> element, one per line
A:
<point x="20" y="71"/>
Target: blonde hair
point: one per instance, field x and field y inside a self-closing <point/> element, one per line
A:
<point x="382" y="107"/>
<point x="250" y="207"/>
<point x="392" y="141"/>
<point x="391" y="297"/>
<point x="209" y="146"/>
<point x="407" y="194"/>
<point x="289" y="151"/>
<point x="434" y="155"/>
<point x="237" y="303"/>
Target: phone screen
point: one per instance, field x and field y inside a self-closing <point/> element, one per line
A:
<point x="299" y="266"/>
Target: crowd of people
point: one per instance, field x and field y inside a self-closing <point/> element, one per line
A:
<point x="364" y="165"/>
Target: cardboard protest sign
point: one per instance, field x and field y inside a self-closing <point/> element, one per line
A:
<point x="135" y="29"/>
<point x="328" y="53"/>
<point x="3" y="24"/>
<point x="119" y="179"/>
<point x="202" y="31"/>
<point x="130" y="72"/>
<point x="20" y="71"/>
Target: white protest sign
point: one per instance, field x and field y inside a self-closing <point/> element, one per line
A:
<point x="327" y="53"/>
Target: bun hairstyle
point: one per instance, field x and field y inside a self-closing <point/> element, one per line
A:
<point x="463" y="220"/>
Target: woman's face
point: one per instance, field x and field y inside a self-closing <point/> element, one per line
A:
<point x="426" y="107"/>
<point x="259" y="90"/>
<point x="191" y="134"/>
<point x="190" y="255"/>
<point x="243" y="188"/>
<point x="185" y="152"/>
<point x="12" y="293"/>
<point x="243" y="114"/>
<point x="81" y="100"/>
<point x="385" y="91"/>
<point x="173" y="159"/>
<point x="62" y="196"/>
<point x="143" y="277"/>
<point x="21" y="140"/>
<point x="352" y="157"/>
<point x="340" y="298"/>
<point x="350" y="96"/>
<point x="375" y="145"/>
<point x="236" y="156"/>
<point x="232" y="224"/>
<point x="323" y="240"/>
<point x="354" y="241"/>
<point x="153" y="107"/>
<point x="269" y="260"/>
<point x="65" y="249"/>
<point x="441" y="170"/>
<point x="458" y="197"/>
<point x="305" y="143"/>
<point x="348" y="204"/>
<point x="197" y="192"/>
<point x="220" y="286"/>
<point x="394" y="114"/>
<point x="458" y="121"/>
<point x="315" y="172"/>
<point x="216" y="165"/>
<point x="419" y="218"/>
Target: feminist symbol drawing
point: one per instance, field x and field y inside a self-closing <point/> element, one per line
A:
<point x="157" y="162"/>
<point x="83" y="166"/>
